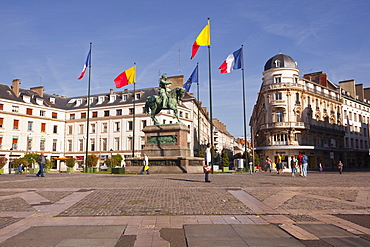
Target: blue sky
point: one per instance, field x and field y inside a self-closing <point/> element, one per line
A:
<point x="45" y="42"/>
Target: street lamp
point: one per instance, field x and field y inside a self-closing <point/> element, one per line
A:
<point x="111" y="160"/>
<point x="10" y="161"/>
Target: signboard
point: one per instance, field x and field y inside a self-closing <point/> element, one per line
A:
<point x="331" y="155"/>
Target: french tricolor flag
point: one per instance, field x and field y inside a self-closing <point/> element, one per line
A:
<point x="233" y="61"/>
<point x="87" y="63"/>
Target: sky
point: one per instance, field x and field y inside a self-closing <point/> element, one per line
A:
<point x="45" y="43"/>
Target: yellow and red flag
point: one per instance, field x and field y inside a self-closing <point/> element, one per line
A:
<point x="126" y="77"/>
<point x="203" y="39"/>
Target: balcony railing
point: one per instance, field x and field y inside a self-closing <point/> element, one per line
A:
<point x="300" y="125"/>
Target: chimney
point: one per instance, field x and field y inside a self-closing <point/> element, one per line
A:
<point x="110" y="91"/>
<point x="15" y="86"/>
<point x="39" y="90"/>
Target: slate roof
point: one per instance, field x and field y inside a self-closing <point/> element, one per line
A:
<point x="285" y="62"/>
<point x="70" y="103"/>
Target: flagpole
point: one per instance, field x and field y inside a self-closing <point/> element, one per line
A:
<point x="133" y="122"/>
<point x="88" y="112"/>
<point x="210" y="96"/>
<point x="244" y="110"/>
<point x="198" y="109"/>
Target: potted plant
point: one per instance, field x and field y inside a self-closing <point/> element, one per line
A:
<point x="48" y="165"/>
<point x="225" y="161"/>
<point x="92" y="161"/>
<point x="31" y="160"/>
<point x="116" y="164"/>
<point x="70" y="163"/>
<point x="3" y="161"/>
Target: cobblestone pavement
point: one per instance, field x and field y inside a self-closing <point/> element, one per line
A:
<point x="149" y="205"/>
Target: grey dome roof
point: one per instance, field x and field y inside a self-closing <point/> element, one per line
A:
<point x="280" y="61"/>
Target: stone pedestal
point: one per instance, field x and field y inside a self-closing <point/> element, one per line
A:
<point x="166" y="140"/>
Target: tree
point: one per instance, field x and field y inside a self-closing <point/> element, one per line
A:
<point x="225" y="158"/>
<point x="118" y="158"/>
<point x="18" y="161"/>
<point x="49" y="164"/>
<point x="31" y="158"/>
<point x="92" y="160"/>
<point x="71" y="162"/>
<point x="3" y="161"/>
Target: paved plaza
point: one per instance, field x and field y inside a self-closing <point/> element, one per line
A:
<point x="235" y="209"/>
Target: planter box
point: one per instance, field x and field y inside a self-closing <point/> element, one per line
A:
<point x="92" y="169"/>
<point x="120" y="170"/>
<point x="33" y="170"/>
<point x="47" y="170"/>
<point x="70" y="169"/>
<point x="225" y="169"/>
<point x="2" y="171"/>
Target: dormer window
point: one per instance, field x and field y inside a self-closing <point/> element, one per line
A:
<point x="39" y="101"/>
<point x="124" y="98"/>
<point x="100" y="99"/>
<point x="277" y="63"/>
<point x="26" y="98"/>
<point x="137" y="96"/>
<point x="112" y="98"/>
<point x="52" y="100"/>
<point x="78" y="102"/>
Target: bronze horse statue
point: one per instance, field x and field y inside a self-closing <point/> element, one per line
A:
<point x="155" y="104"/>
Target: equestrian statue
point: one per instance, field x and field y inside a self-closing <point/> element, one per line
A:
<point x="166" y="99"/>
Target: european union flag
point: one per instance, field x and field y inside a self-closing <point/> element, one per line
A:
<point x="192" y="78"/>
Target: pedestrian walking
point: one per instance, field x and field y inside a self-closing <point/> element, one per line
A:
<point x="250" y="163"/>
<point x="268" y="164"/>
<point x="340" y="167"/>
<point x="145" y="165"/>
<point x="41" y="160"/>
<point x="320" y="167"/>
<point x="304" y="164"/>
<point x="207" y="168"/>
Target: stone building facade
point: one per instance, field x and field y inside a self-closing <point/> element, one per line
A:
<point x="33" y="121"/>
<point x="309" y="114"/>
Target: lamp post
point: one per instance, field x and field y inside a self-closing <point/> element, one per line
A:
<point x="10" y="161"/>
<point x="111" y="158"/>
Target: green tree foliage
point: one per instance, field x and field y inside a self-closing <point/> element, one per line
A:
<point x="17" y="162"/>
<point x="49" y="164"/>
<point x="118" y="158"/>
<point x="31" y="158"/>
<point x="71" y="162"/>
<point x="225" y="158"/>
<point x="114" y="161"/>
<point x="92" y="160"/>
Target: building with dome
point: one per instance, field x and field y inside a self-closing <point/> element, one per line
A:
<point x="310" y="114"/>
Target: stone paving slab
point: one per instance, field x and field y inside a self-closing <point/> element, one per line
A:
<point x="238" y="235"/>
<point x="67" y="236"/>
<point x="334" y="235"/>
